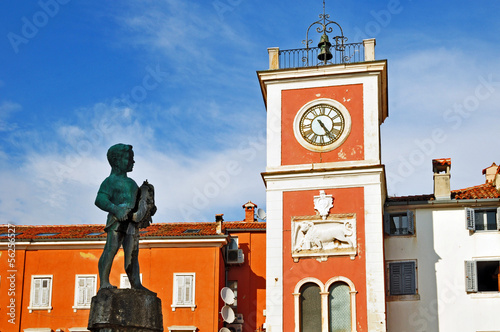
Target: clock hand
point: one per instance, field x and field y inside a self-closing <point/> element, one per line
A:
<point x="327" y="132"/>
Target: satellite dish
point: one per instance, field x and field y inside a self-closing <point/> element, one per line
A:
<point x="227" y="295"/>
<point x="261" y="214"/>
<point x="224" y="329"/>
<point x="227" y="314"/>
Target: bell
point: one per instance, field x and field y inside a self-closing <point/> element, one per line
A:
<point x="324" y="44"/>
<point x="324" y="41"/>
<point x="325" y="54"/>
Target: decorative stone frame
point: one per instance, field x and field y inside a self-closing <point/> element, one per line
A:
<point x="347" y="125"/>
<point x="324" y="292"/>
<point x="335" y="247"/>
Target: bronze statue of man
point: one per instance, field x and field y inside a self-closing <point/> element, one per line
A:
<point x="129" y="208"/>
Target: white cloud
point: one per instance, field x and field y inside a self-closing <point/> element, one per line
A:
<point x="57" y="185"/>
<point x="443" y="103"/>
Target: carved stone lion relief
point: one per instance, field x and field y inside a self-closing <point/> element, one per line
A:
<point x="319" y="236"/>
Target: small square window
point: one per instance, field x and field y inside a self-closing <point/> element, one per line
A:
<point x="400" y="223"/>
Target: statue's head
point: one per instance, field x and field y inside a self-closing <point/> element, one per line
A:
<point x="121" y="157"/>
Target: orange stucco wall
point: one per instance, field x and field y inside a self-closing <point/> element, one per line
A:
<point x="251" y="278"/>
<point x="351" y="96"/>
<point x="157" y="267"/>
<point x="300" y="203"/>
<point x="11" y="290"/>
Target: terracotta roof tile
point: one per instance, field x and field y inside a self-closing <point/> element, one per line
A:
<point x="96" y="232"/>
<point x="486" y="190"/>
<point x="482" y="191"/>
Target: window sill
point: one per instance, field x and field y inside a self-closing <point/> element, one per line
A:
<point x="413" y="297"/>
<point x="82" y="307"/>
<point x="485" y="295"/>
<point x="400" y="235"/>
<point x="192" y="306"/>
<point x="181" y="328"/>
<point x="39" y="308"/>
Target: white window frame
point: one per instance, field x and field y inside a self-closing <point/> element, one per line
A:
<point x="93" y="291"/>
<point x="470" y="219"/>
<point x="402" y="297"/>
<point x="34" y="306"/>
<point x="191" y="305"/>
<point x="124" y="282"/>
<point x="178" y="328"/>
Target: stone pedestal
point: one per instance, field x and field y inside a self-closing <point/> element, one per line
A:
<point x="125" y="310"/>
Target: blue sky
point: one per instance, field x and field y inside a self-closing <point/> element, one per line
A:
<point x="176" y="79"/>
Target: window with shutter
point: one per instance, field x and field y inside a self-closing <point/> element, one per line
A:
<point x="400" y="223"/>
<point x="482" y="219"/>
<point x="41" y="293"/>
<point x="85" y="289"/>
<point x="482" y="276"/>
<point x="184" y="290"/>
<point x="402" y="278"/>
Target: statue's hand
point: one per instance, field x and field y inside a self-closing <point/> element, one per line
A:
<point x="121" y="212"/>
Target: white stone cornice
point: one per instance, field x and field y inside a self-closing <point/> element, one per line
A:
<point x="99" y="244"/>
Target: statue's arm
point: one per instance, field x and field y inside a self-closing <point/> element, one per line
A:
<point x="103" y="202"/>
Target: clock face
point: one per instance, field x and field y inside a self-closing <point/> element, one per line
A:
<point x="322" y="125"/>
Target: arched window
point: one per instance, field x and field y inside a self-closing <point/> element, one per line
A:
<point x="310" y="308"/>
<point x="339" y="308"/>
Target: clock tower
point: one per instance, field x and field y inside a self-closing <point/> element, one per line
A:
<point x="325" y="185"/>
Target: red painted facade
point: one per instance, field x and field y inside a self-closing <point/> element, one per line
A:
<point x="351" y="96"/>
<point x="300" y="203"/>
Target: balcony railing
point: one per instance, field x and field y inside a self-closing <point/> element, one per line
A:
<point x="309" y="57"/>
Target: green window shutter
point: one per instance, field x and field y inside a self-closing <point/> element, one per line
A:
<point x="411" y="222"/>
<point x="470" y="219"/>
<point x="387" y="223"/>
<point x="409" y="278"/>
<point x="402" y="278"/>
<point x="470" y="276"/>
<point x="396" y="279"/>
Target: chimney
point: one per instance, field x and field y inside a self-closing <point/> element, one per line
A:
<point x="442" y="180"/>
<point x="490" y="172"/>
<point x="249" y="211"/>
<point x="218" y="221"/>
